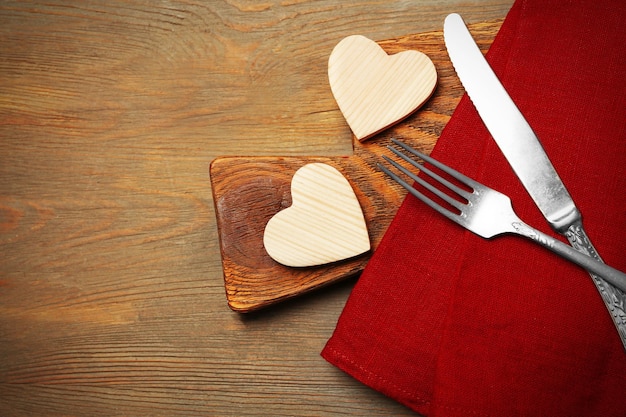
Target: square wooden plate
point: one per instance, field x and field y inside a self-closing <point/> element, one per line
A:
<point x="248" y="191"/>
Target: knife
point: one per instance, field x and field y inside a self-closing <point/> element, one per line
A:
<point x="522" y="149"/>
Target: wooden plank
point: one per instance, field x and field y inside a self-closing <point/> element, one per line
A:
<point x="111" y="281"/>
<point x="248" y="191"/>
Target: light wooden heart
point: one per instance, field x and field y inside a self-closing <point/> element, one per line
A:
<point x="374" y="90"/>
<point x="324" y="224"/>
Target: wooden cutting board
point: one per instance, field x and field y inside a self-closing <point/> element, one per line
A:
<point x="248" y="191"/>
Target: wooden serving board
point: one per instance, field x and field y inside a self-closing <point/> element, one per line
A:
<point x="248" y="191"/>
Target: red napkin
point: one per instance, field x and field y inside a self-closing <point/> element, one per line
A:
<point x="451" y="324"/>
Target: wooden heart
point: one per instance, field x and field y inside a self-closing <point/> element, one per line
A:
<point x="324" y="223"/>
<point x="374" y="90"/>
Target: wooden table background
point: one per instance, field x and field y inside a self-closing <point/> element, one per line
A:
<point x="111" y="290"/>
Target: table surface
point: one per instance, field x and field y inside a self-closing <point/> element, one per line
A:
<point x="111" y="288"/>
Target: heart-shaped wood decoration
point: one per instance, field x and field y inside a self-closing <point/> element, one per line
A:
<point x="324" y="223"/>
<point x="374" y="90"/>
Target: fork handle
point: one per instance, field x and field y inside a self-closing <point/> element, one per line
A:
<point x="610" y="274"/>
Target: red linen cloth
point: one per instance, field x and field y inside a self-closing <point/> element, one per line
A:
<point x="451" y="324"/>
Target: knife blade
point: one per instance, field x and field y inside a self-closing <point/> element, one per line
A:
<point x="524" y="152"/>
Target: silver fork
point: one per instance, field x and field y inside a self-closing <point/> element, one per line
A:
<point x="485" y="211"/>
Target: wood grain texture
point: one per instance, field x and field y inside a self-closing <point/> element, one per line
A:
<point x="375" y="90"/>
<point x="112" y="298"/>
<point x="249" y="191"/>
<point x="323" y="224"/>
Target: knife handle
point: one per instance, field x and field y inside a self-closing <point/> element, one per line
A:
<point x="613" y="297"/>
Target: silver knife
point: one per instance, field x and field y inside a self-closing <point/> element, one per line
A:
<point x="522" y="149"/>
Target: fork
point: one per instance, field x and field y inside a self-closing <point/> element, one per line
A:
<point x="484" y="211"/>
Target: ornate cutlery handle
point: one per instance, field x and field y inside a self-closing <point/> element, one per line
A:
<point x="613" y="297"/>
<point x="614" y="276"/>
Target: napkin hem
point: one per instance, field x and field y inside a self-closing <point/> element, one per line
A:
<point x="388" y="387"/>
<point x="375" y="381"/>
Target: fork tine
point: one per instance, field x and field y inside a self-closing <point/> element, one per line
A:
<point x="431" y="174"/>
<point x="455" y="203"/>
<point x="453" y="173"/>
<point x="430" y="203"/>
